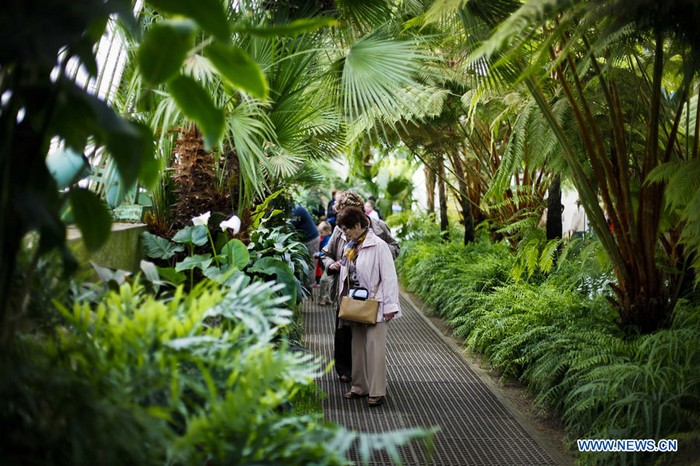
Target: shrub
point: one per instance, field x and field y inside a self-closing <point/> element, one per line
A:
<point x="450" y="276"/>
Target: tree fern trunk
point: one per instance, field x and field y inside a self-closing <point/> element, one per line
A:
<point x="554" y="227"/>
<point x="463" y="195"/>
<point x="430" y="188"/>
<point x="442" y="193"/>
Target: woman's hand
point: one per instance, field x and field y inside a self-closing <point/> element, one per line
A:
<point x="335" y="266"/>
<point x="388" y="317"/>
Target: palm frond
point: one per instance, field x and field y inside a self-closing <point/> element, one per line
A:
<point x="364" y="14"/>
<point x="378" y="78"/>
<point x="247" y="130"/>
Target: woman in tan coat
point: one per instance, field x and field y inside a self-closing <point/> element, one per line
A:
<point x="368" y="263"/>
<point x="331" y="257"/>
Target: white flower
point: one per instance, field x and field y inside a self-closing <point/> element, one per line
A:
<point x="233" y="223"/>
<point x="202" y="219"/>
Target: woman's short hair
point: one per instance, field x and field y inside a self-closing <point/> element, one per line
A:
<point x="349" y="199"/>
<point x="348" y="218"/>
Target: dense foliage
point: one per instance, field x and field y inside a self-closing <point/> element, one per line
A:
<point x="558" y="334"/>
<point x="200" y="378"/>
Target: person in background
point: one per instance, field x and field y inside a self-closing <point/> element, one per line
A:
<point x="578" y="222"/>
<point x="332" y="255"/>
<point x="318" y="212"/>
<point x="368" y="263"/>
<point x="373" y="200"/>
<point x="330" y="210"/>
<point x="324" y="229"/>
<point x="301" y="220"/>
<point x="370" y="212"/>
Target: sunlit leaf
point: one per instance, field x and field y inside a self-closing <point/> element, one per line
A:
<point x="164" y="49"/>
<point x="209" y="14"/>
<point x="238" y="69"/>
<point x="196" y="103"/>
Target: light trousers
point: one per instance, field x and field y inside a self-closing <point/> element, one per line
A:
<point x="369" y="359"/>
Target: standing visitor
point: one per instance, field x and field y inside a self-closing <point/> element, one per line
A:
<point x="367" y="263"/>
<point x="301" y="220"/>
<point x="373" y="200"/>
<point x="332" y="255"/>
<point x="370" y="212"/>
<point x="324" y="229"/>
<point x="578" y="222"/>
<point x="330" y="210"/>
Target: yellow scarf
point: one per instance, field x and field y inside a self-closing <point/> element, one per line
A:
<point x="353" y="247"/>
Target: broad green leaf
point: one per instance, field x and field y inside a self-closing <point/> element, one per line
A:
<point x="131" y="146"/>
<point x="165" y="48"/>
<point x="284" y="275"/>
<point x="91" y="216"/>
<point x="150" y="271"/>
<point x="196" y="235"/>
<point x="115" y="276"/>
<point x="150" y="169"/>
<point x="261" y="209"/>
<point x="201" y="261"/>
<point x="236" y="253"/>
<point x="196" y="103"/>
<point x="84" y="50"/>
<point x="75" y="119"/>
<point x="236" y="67"/>
<point x="96" y="30"/>
<point x="209" y="14"/>
<point x="300" y="26"/>
<point x="171" y="275"/>
<point x="159" y="248"/>
<point x="225" y="275"/>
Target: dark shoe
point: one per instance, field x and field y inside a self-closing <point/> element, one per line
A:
<point x="375" y="400"/>
<point x="345" y="378"/>
<point x="353" y="396"/>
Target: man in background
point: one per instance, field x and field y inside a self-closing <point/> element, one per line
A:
<point x="301" y="220"/>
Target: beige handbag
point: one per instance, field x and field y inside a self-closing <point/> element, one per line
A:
<point x="358" y="308"/>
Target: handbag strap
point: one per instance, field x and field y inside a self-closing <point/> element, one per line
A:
<point x="376" y="288"/>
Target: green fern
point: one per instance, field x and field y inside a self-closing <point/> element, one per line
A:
<point x="558" y="335"/>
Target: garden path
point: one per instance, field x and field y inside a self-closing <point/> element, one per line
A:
<point x="430" y="384"/>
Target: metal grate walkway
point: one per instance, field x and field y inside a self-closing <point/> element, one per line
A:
<point x="430" y="384"/>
